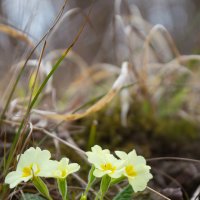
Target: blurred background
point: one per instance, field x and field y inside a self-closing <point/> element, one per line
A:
<point x="180" y="17"/>
<point x="158" y="115"/>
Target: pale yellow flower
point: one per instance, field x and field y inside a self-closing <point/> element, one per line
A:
<point x="63" y="168"/>
<point x="104" y="162"/>
<point x="135" y="169"/>
<point x="33" y="162"/>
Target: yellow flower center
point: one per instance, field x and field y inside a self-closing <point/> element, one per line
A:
<point x="26" y="172"/>
<point x="32" y="169"/>
<point x="108" y="166"/>
<point x="63" y="173"/>
<point x="130" y="171"/>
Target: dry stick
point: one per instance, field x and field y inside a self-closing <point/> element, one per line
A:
<point x="29" y="135"/>
<point x="82" y="153"/>
<point x="158" y="193"/>
<point x="49" y="134"/>
<point x="174" y="158"/>
<point x="171" y="179"/>
<point x="27" y="140"/>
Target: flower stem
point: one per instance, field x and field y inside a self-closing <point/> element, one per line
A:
<point x="97" y="196"/>
<point x="105" y="184"/>
<point x="91" y="179"/>
<point x="62" y="186"/>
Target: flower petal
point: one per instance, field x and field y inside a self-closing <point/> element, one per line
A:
<point x="14" y="178"/>
<point x="121" y="154"/>
<point x="74" y="167"/>
<point x="99" y="173"/>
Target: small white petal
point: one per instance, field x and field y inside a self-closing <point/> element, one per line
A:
<point x="64" y="162"/>
<point x="121" y="154"/>
<point x="116" y="174"/>
<point x="138" y="183"/>
<point x="99" y="173"/>
<point x="74" y="167"/>
<point x="48" y="169"/>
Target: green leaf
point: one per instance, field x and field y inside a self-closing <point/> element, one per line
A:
<point x="62" y="186"/>
<point x="115" y="181"/>
<point x="83" y="197"/>
<point x="33" y="82"/>
<point x="41" y="187"/>
<point x="91" y="180"/>
<point x="92" y="135"/>
<point x="28" y="196"/>
<point x="125" y="194"/>
<point x="91" y="177"/>
<point x="105" y="183"/>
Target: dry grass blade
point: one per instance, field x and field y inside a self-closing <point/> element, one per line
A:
<point x="16" y="34"/>
<point x="118" y="84"/>
<point x="10" y="95"/>
<point x="175" y="159"/>
<point x="147" y="42"/>
<point x="158" y="193"/>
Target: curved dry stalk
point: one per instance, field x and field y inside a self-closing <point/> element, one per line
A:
<point x="158" y="193"/>
<point x="118" y="84"/>
<point x="71" y="117"/>
<point x="171" y="179"/>
<point x="185" y="58"/>
<point x="16" y="34"/>
<point x="68" y="14"/>
<point x="91" y="77"/>
<point x="174" y="158"/>
<point x="80" y="151"/>
<point x="65" y="15"/>
<point x="147" y="42"/>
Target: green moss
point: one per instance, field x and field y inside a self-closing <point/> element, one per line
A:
<point x="144" y="128"/>
<point x="177" y="129"/>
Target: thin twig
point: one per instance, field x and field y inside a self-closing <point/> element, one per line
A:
<point x="158" y="193"/>
<point x="174" y="158"/>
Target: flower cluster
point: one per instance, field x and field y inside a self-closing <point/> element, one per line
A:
<point x="35" y="162"/>
<point x="130" y="165"/>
